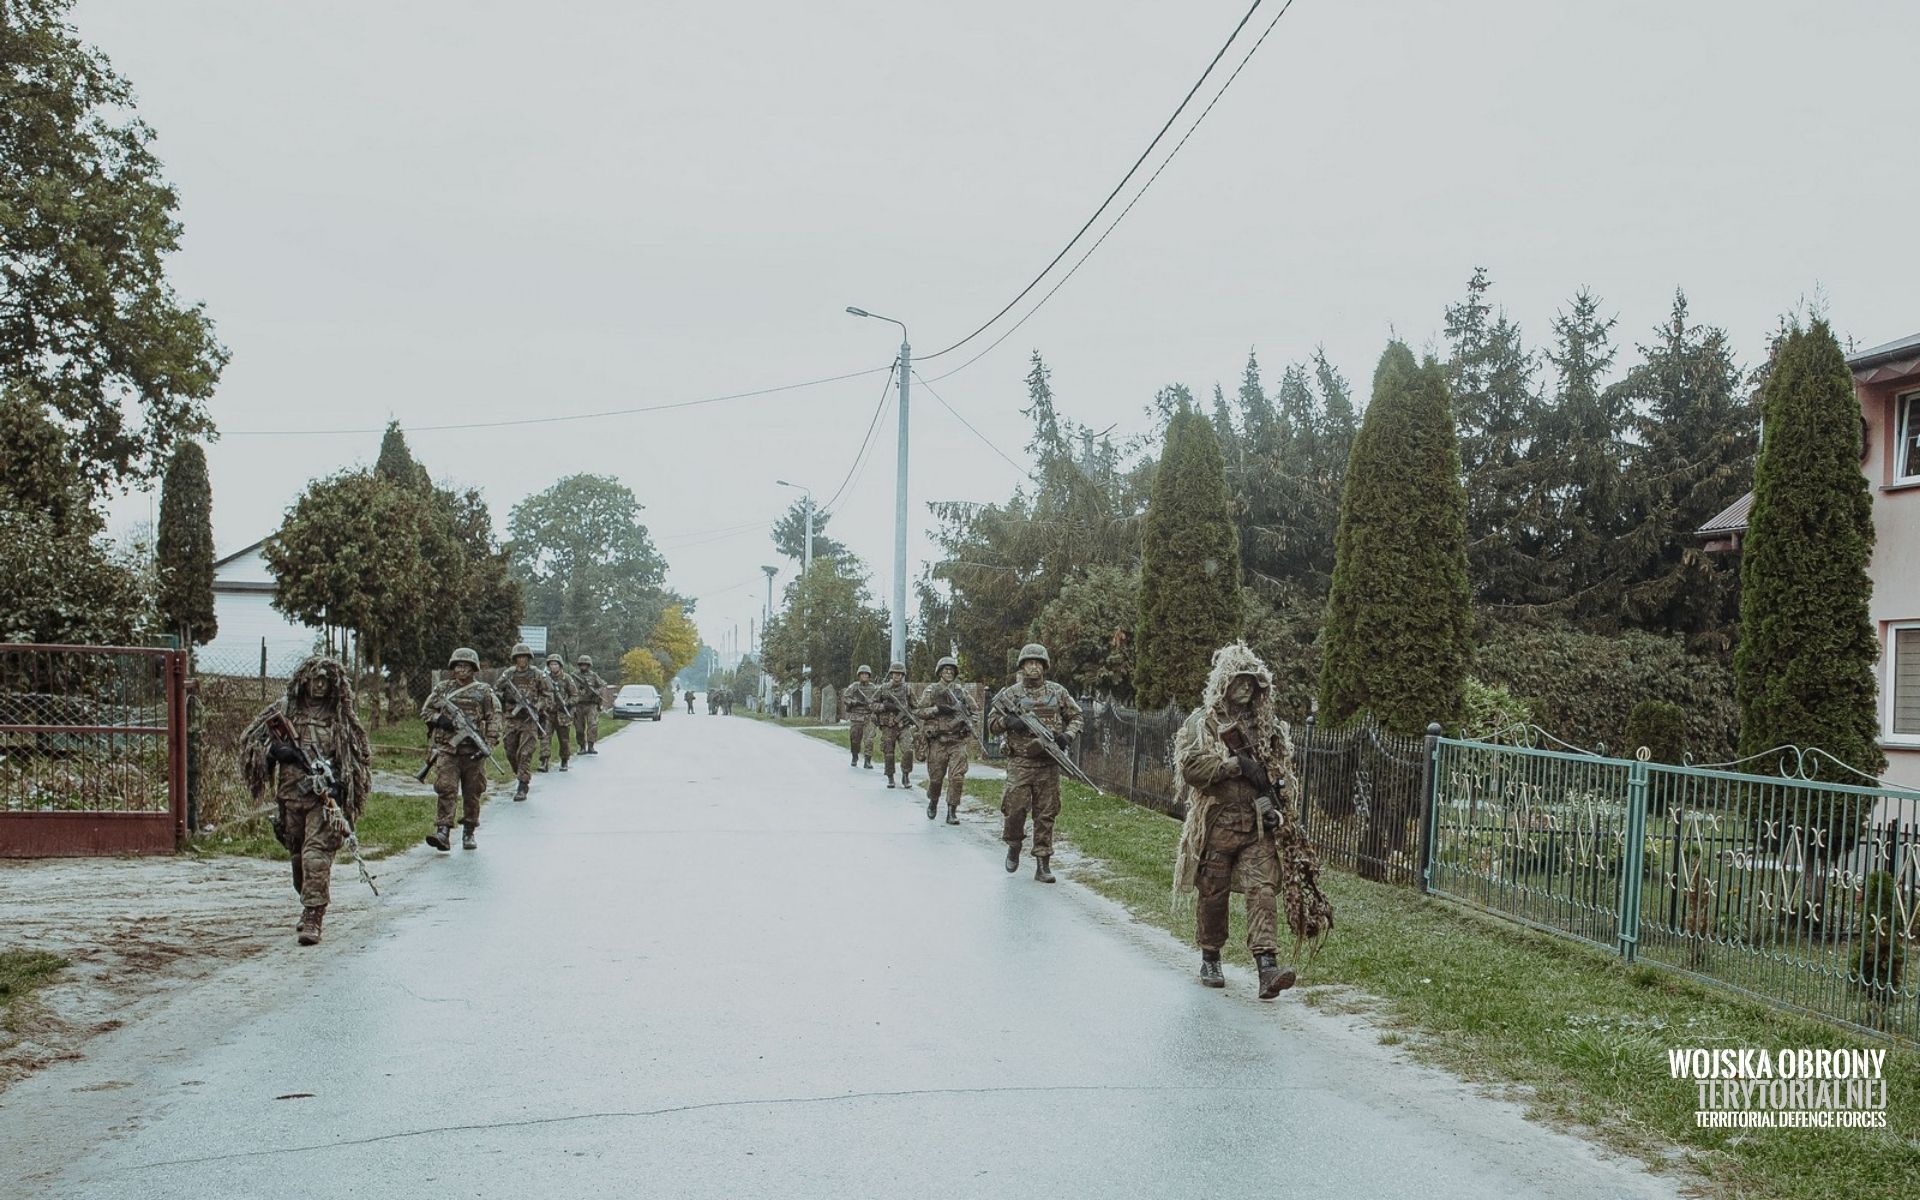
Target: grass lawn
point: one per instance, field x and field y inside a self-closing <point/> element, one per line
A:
<point x="812" y="723"/>
<point x="388" y="825"/>
<point x="402" y="745"/>
<point x="838" y="735"/>
<point x="1499" y="1003"/>
<point x="21" y="971"/>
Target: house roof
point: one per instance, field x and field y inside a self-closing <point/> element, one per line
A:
<point x="242" y="552"/>
<point x="1731" y="519"/>
<point x="1888" y="360"/>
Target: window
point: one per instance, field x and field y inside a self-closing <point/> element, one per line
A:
<point x="1903" y="682"/>
<point x="1906" y="455"/>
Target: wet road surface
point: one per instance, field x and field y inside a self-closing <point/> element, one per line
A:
<point x="713" y="961"/>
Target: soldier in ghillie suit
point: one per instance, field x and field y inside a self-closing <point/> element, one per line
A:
<point x="586" y="708"/>
<point x="1234" y="761"/>
<point x="893" y="702"/>
<point x="559" y="718"/>
<point x="526" y="696"/>
<point x="456" y="706"/>
<point x="857" y="709"/>
<point x="946" y="721"/>
<point x="1033" y="778"/>
<point x="319" y="778"/>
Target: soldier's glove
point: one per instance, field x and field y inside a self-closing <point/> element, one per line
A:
<point x="441" y="722"/>
<point x="1269" y="814"/>
<point x="1061" y="739"/>
<point x="1253" y="772"/>
<point x="283" y="753"/>
<point x="945" y="709"/>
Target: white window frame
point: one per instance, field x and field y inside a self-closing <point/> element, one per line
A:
<point x="1890" y="657"/>
<point x="1906" y="414"/>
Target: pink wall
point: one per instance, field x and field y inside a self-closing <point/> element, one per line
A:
<point x="1895" y="568"/>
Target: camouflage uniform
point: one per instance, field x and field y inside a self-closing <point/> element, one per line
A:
<point x="325" y="727"/>
<point x="946" y="716"/>
<point x="857" y="706"/>
<point x="559" y="717"/>
<point x="586" y="706"/>
<point x="894" y="700"/>
<point x="525" y="715"/>
<point x="460" y="775"/>
<point x="1234" y="764"/>
<point x="1033" y="778"/>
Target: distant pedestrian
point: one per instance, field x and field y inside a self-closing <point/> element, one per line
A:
<point x="586" y="707"/>
<point x="566" y="694"/>
<point x="527" y="697"/>
<point x="689" y="701"/>
<point x="857" y="709"/>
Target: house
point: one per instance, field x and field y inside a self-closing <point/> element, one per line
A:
<point x="1887" y="381"/>
<point x="251" y="630"/>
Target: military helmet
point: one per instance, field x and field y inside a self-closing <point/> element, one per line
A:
<point x="466" y="655"/>
<point x="583" y="661"/>
<point x="948" y="661"/>
<point x="520" y="648"/>
<point x="555" y="658"/>
<point x="1035" y="650"/>
<point x="896" y="668"/>
<point x="864" y="670"/>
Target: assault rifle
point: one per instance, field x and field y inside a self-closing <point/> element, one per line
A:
<point x="889" y="700"/>
<point x="1266" y="800"/>
<point x="321" y="781"/>
<point x="956" y="699"/>
<point x="463" y="731"/>
<point x="1022" y="712"/>
<point x="522" y="704"/>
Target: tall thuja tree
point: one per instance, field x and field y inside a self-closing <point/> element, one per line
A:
<point x="1490" y="374"/>
<point x="1189" y="568"/>
<point x="1804" y="671"/>
<point x="396" y="462"/>
<point x="1398" y="633"/>
<point x="1581" y="471"/>
<point x="185" y="547"/>
<point x="1697" y="432"/>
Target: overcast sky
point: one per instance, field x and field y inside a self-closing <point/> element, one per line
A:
<point x="477" y="210"/>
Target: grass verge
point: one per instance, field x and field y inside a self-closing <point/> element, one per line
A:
<point x="1583" y="1035"/>
<point x="388" y="825"/>
<point x="789" y="722"/>
<point x="21" y="972"/>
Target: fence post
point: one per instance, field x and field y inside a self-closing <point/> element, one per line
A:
<point x="1429" y="792"/>
<point x="1632" y="859"/>
<point x="1133" y="761"/>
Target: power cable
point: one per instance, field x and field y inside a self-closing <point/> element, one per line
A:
<point x="1144" y="188"/>
<point x="988" y="442"/>
<point x="1117" y="188"/>
<point x="866" y="443"/>
<point x="551" y="420"/>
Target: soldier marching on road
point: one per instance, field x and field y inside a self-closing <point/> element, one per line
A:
<point x="311" y="751"/>
<point x="947" y="719"/>
<point x="858" y="700"/>
<point x="1234" y="759"/>
<point x="526" y="695"/>
<point x="892" y="713"/>
<point x="586" y="707"/>
<point x="566" y="693"/>
<point x="1033" y="777"/>
<point x="460" y="712"/>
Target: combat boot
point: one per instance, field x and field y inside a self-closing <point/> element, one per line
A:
<point x="1210" y="975"/>
<point x="441" y="838"/>
<point x="1274" y="978"/>
<point x="953" y="814"/>
<point x="468" y="841"/>
<point x="544" y="768"/>
<point x="933" y="806"/>
<point x="1040" y="872"/>
<point x="853" y="761"/>
<point x="889" y="781"/>
<point x="310" y="918"/>
<point x="1013" y="857"/>
<point x="520" y="793"/>
<point x="563" y="764"/>
<point x="869" y="762"/>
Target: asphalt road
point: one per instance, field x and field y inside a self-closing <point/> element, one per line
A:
<point x="715" y="962"/>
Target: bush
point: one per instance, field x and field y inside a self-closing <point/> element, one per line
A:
<point x="1491" y="708"/>
<point x="1584" y="686"/>
<point x="1881" y="954"/>
<point x="1660" y="726"/>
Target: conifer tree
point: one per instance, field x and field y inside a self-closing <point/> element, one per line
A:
<point x="1490" y="376"/>
<point x="1398" y="635"/>
<point x="185" y="547"/>
<point x="1189" y="568"/>
<point x="1804" y="671"/>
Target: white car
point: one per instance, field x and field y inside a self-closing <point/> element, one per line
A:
<point x="637" y="700"/>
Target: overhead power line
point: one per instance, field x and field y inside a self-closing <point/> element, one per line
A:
<point x="985" y="440"/>
<point x="866" y="443"/>
<point x="1137" y="197"/>
<point x="553" y="420"/>
<point x="1117" y="188"/>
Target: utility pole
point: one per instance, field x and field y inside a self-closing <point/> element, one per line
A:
<point x="899" y="605"/>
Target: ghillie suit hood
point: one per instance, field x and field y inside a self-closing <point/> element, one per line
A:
<point x="1309" y="914"/>
<point x="350" y="753"/>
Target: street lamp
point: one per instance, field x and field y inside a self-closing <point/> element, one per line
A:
<point x="899" y="492"/>
<point x="806" y="568"/>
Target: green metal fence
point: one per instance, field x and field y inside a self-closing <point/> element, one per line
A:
<point x="1793" y="890"/>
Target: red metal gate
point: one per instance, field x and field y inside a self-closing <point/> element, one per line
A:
<point x="93" y="750"/>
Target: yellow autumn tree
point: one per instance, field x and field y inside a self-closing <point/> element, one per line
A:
<point x="638" y="665"/>
<point x="674" y="641"/>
